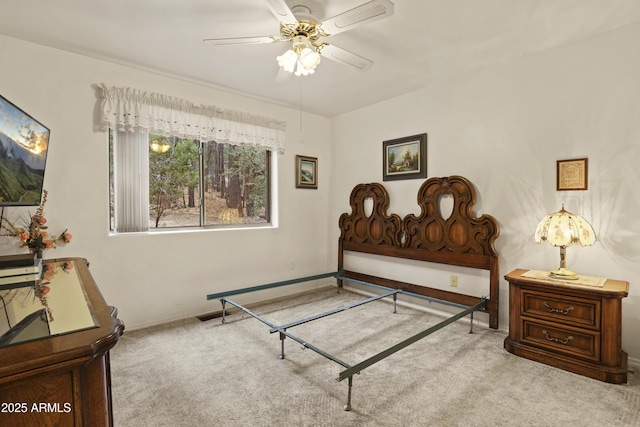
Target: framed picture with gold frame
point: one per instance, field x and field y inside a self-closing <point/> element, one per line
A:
<point x="572" y="174"/>
<point x="306" y="172"/>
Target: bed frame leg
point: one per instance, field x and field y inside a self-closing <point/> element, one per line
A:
<point x="395" y="298"/>
<point x="223" y="302"/>
<point x="471" y="328"/>
<point x="347" y="407"/>
<point x="282" y="337"/>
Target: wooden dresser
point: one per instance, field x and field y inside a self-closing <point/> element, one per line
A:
<point x="62" y="379"/>
<point x="570" y="326"/>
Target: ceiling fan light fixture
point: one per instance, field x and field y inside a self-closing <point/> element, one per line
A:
<point x="302" y="63"/>
<point x="309" y="58"/>
<point x="301" y="71"/>
<point x="301" y="59"/>
<point x="288" y="60"/>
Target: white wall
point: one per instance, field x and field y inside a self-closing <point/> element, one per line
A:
<point x="153" y="278"/>
<point x="504" y="127"/>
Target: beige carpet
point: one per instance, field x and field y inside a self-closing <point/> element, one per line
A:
<point x="191" y="373"/>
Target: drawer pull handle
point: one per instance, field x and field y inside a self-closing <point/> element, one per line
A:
<point x="556" y="310"/>
<point x="558" y="340"/>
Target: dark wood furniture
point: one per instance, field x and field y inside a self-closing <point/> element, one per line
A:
<point x="460" y="239"/>
<point x="570" y="326"/>
<point x="62" y="380"/>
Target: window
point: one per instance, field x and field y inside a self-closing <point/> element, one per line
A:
<point x="196" y="184"/>
<point x="177" y="164"/>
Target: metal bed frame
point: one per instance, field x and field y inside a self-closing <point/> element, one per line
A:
<point x="459" y="239"/>
<point x="359" y="367"/>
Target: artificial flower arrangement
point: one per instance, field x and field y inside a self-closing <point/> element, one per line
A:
<point x="34" y="234"/>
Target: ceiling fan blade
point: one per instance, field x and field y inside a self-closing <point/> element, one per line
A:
<point x="345" y="57"/>
<point x="281" y="11"/>
<point x="242" y="40"/>
<point x="363" y="14"/>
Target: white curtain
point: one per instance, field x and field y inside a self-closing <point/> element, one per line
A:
<point x="132" y="110"/>
<point x="131" y="181"/>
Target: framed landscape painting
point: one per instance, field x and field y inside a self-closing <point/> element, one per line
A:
<point x="405" y="158"/>
<point x="306" y="172"/>
<point x="24" y="144"/>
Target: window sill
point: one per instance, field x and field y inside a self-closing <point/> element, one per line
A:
<point x="182" y="230"/>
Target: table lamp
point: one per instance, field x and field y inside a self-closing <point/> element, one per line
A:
<point x="563" y="229"/>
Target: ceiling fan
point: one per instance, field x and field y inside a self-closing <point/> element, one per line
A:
<point x="306" y="35"/>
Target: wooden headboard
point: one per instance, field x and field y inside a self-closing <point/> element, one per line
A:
<point x="461" y="239"/>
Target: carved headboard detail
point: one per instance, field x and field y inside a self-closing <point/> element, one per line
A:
<point x="378" y="228"/>
<point x="459" y="239"/>
<point x="461" y="232"/>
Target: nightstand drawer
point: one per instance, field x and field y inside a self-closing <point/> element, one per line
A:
<point x="582" y="312"/>
<point x="573" y="343"/>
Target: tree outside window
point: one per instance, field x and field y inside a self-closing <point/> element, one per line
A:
<point x="206" y="184"/>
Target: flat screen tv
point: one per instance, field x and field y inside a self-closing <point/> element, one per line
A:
<point x="24" y="143"/>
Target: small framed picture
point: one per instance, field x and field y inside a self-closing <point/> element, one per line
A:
<point x="572" y="174"/>
<point x="306" y="172"/>
<point x="405" y="158"/>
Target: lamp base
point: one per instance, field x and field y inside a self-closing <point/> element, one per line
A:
<point x="563" y="274"/>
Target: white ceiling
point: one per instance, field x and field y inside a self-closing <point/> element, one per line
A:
<point x="425" y="40"/>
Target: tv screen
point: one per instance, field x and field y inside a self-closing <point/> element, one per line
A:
<point x="24" y="143"/>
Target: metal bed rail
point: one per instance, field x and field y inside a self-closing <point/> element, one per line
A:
<point x="274" y="285"/>
<point x="350" y="369"/>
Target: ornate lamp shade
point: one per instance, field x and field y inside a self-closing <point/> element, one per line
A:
<point x="563" y="229"/>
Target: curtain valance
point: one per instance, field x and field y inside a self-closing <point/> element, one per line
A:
<point x="131" y="110"/>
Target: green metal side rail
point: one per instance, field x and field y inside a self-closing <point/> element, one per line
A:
<point x="355" y="369"/>
<point x="274" y="285"/>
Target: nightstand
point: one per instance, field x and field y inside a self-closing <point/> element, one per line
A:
<point x="568" y="325"/>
